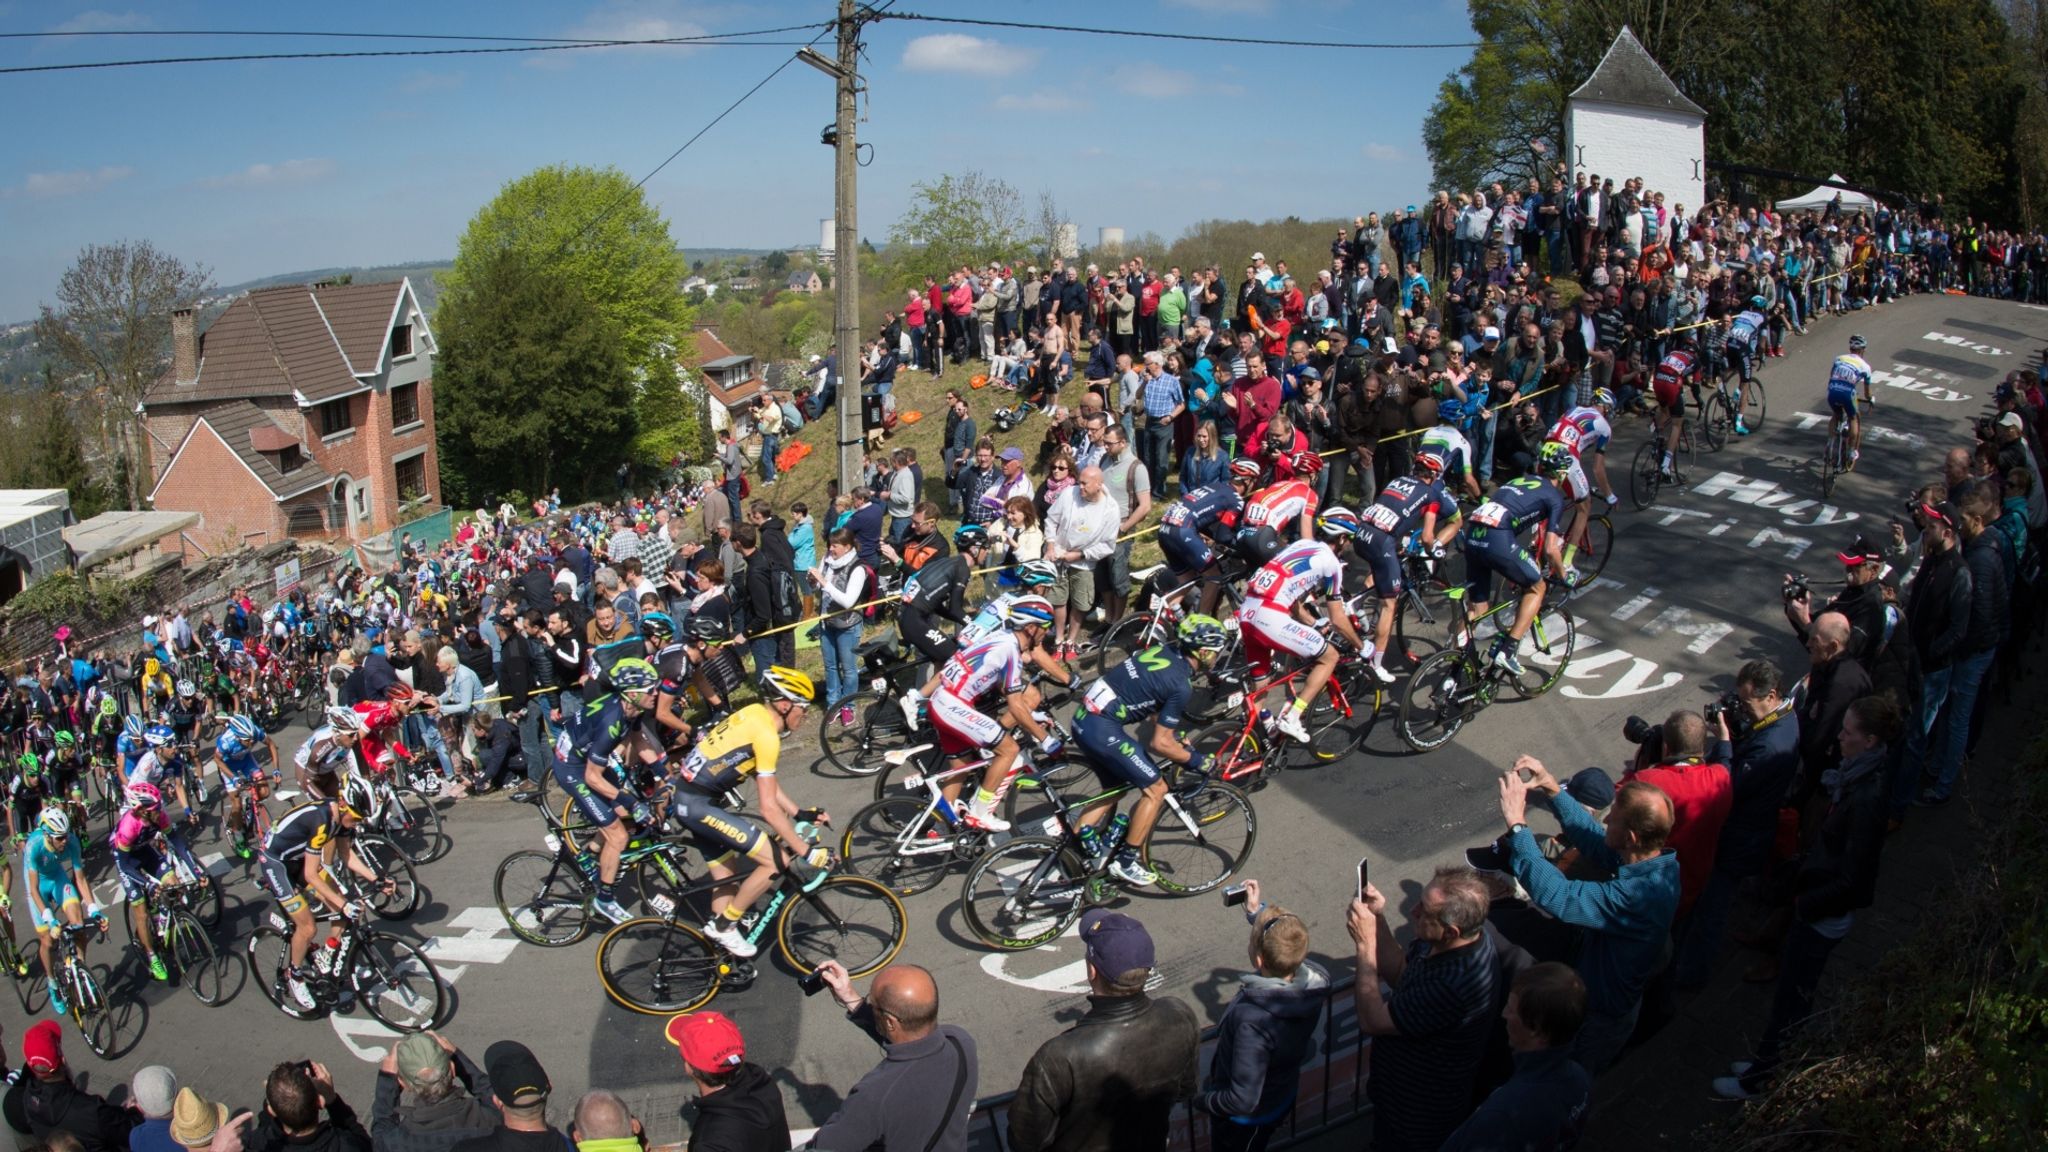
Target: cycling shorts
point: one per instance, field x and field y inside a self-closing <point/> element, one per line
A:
<point x="922" y="631"/>
<point x="1383" y="557"/>
<point x="1117" y="759"/>
<point x="600" y="812"/>
<point x="55" y="893"/>
<point x="718" y="832"/>
<point x="1491" y="550"/>
<point x="1185" y="550"/>
<point x="275" y="877"/>
<point x="1268" y="630"/>
<point x="241" y="770"/>
<point x="1667" y="389"/>
<point x="139" y="869"/>
<point x="1842" y="398"/>
<point x="1738" y="360"/>
<point x="962" y="729"/>
<point x="1574" y="484"/>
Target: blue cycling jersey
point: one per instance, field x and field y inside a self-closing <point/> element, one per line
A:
<point x="1521" y="502"/>
<point x="595" y="734"/>
<point x="1204" y="507"/>
<point x="1402" y="504"/>
<point x="43" y="863"/>
<point x="1154" y="682"/>
<point x="1849" y="376"/>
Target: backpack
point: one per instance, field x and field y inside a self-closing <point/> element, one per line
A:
<point x="784" y="595"/>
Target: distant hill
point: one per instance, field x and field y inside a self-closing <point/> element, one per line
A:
<point x="425" y="277"/>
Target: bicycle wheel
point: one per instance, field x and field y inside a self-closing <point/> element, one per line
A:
<point x="901" y="843"/>
<point x="851" y="919"/>
<point x="1545" y="651"/>
<point x="385" y="859"/>
<point x="1436" y="701"/>
<point x="1753" y="407"/>
<point x="1197" y="848"/>
<point x="1593" y="554"/>
<point x="1342" y="715"/>
<point x="1024" y="893"/>
<point x="1237" y="755"/>
<point x="1830" y="463"/>
<point x="199" y="965"/>
<point x="1716" y="421"/>
<point x="415" y="826"/>
<point x="660" y="877"/>
<point x="269" y="955"/>
<point x="1133" y="633"/>
<point x="659" y="967"/>
<point x="89" y="1010"/>
<point x="397" y="983"/>
<point x="1644" y="476"/>
<point x="878" y="727"/>
<point x="542" y="898"/>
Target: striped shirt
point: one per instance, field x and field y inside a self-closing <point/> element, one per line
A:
<point x="1421" y="1082"/>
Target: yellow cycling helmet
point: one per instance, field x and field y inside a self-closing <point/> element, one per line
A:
<point x="790" y="684"/>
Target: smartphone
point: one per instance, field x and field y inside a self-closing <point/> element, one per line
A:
<point x="1363" y="878"/>
<point x="811" y="982"/>
<point x="1235" y="895"/>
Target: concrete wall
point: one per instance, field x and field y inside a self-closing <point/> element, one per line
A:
<point x="1666" y="149"/>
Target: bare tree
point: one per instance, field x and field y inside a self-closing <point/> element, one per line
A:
<point x="112" y="324"/>
<point x="1051" y="221"/>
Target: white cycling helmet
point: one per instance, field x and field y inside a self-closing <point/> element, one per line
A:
<point x="346" y="720"/>
<point x="55" y="822"/>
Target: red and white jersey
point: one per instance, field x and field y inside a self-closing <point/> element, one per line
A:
<point x="1582" y="428"/>
<point x="990" y="660"/>
<point x="1279" y="505"/>
<point x="1677" y="365"/>
<point x="1301" y="568"/>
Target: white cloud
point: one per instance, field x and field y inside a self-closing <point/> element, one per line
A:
<point x="420" y="83"/>
<point x="1153" y="82"/>
<point x="95" y="20"/>
<point x="282" y="172"/>
<point x="1235" y="7"/>
<point x="1040" y="101"/>
<point x="627" y="20"/>
<point x="953" y="52"/>
<point x="1383" y="152"/>
<point x="49" y="185"/>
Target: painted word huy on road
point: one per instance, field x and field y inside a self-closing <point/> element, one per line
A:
<point x="1900" y="379"/>
<point x="1961" y="342"/>
<point x="1761" y="493"/>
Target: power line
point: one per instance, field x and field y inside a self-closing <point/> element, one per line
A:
<point x="147" y="33"/>
<point x="718" y="39"/>
<point x="1145" y="35"/>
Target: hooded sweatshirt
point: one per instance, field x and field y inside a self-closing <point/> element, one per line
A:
<point x="400" y="1126"/>
<point x="744" y="1116"/>
<point x="1260" y="1043"/>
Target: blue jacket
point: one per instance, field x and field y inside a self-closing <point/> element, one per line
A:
<point x="1197" y="470"/>
<point x="1627" y="919"/>
<point x="1260" y="1044"/>
<point x="1762" y="766"/>
<point x="1542" y="1108"/>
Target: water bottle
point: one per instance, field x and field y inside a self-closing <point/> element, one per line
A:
<point x="586" y="863"/>
<point x="1113" y="838"/>
<point x="1266" y="719"/>
<point x="1091" y="841"/>
<point x="329" y="957"/>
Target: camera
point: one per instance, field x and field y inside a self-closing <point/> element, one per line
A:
<point x="1635" y="730"/>
<point x="1796" y="587"/>
<point x="1235" y="895"/>
<point x="811" y="982"/>
<point x="1727" y="705"/>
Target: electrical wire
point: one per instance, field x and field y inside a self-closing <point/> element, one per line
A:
<point x="1022" y="26"/>
<point x="331" y="35"/>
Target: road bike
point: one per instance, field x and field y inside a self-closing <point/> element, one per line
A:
<point x="1456" y="684"/>
<point x="1338" y="719"/>
<point x="1834" y="454"/>
<point x="1030" y="890"/>
<point x="877" y="724"/>
<point x="1749" y="407"/>
<point x="1646" y="475"/>
<point x="176" y="934"/>
<point x="546" y="896"/>
<point x="664" y="964"/>
<point x="1166" y="607"/>
<point x="1246" y="752"/>
<point x="1712" y="412"/>
<point x="403" y="814"/>
<point x="84" y="996"/>
<point x="387" y="975"/>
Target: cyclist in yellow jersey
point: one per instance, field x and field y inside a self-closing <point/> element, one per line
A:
<point x="746" y="743"/>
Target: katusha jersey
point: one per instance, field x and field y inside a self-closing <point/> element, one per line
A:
<point x="1301" y="568"/>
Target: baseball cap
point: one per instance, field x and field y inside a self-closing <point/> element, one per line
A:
<point x="1860" y="551"/>
<point x="1309" y="373"/>
<point x="708" y="1041"/>
<point x="42" y="1047"/>
<point x="1258" y="256"/>
<point x="1943" y="512"/>
<point x="2010" y="420"/>
<point x="422" y="1060"/>
<point x="1489" y="333"/>
<point x="1593" y="788"/>
<point x="1388" y="347"/>
<point x="1012" y="453"/>
<point x="1115" y="943"/>
<point x="516" y="1077"/>
<point x="2003" y="392"/>
<point x="154" y="1090"/>
<point x="194" y="1120"/>
<point x="1411" y="208"/>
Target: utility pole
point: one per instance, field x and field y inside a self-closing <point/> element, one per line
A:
<point x="846" y="250"/>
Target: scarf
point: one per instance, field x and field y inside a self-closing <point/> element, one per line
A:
<point x="1837" y="779"/>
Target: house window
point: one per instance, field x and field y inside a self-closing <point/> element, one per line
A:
<point x="290" y="460"/>
<point x="401" y="340"/>
<point x="335" y="417"/>
<point x="412" y="477"/>
<point x="405" y="405"/>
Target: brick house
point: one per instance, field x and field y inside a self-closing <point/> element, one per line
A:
<point x="303" y="410"/>
<point x="731" y="381"/>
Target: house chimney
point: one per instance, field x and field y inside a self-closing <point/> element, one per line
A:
<point x="184" y="346"/>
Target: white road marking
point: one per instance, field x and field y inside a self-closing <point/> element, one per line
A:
<point x="1762" y="493"/>
<point x="1723" y="526"/>
<point x="1795" y="546"/>
<point x="216" y="864"/>
<point x="1641" y="601"/>
<point x="1070" y="979"/>
<point x="1961" y="342"/>
<point x="1899" y="378"/>
<point x="1811" y="420"/>
<point x="452" y="956"/>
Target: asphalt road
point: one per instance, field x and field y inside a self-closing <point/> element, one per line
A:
<point x="1691" y="593"/>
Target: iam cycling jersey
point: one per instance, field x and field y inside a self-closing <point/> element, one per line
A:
<point x="1743" y="329"/>
<point x="1301" y="568"/>
<point x="1280" y="505"/>
<point x="1848" y="379"/>
<point x="158" y="766"/>
<point x="1581" y="428"/>
<point x="1449" y="443"/>
<point x="746" y="743"/>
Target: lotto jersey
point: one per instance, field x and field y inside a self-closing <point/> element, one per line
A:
<point x="1581" y="428"/>
<point x="1402" y="504"/>
<point x="1849" y="376"/>
<point x="1154" y="682"/>
<point x="1301" y="568"/>
<point x="1743" y="329"/>
<point x="1280" y="505"/>
<point x="1450" y="444"/>
<point x="157" y="766"/>
<point x="1204" y="507"/>
<point x="746" y="743"/>
<point x="1677" y="366"/>
<point x="1521" y="502"/>
<point x="977" y="667"/>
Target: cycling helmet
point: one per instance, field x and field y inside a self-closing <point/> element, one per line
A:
<point x="1338" y="522"/>
<point x="65" y="739"/>
<point x="132" y="727"/>
<point x="346" y="721"/>
<point x="634" y="676"/>
<point x="1602" y="398"/>
<point x="398" y="691"/>
<point x="357" y="797"/>
<point x="1756" y="301"/>
<point x="1199" y="633"/>
<point x="1028" y="610"/>
<point x="109" y="707"/>
<point x="159" y="736"/>
<point x="55" y="821"/>
<point x="790" y="684"/>
<point x="1429" y="464"/>
<point x="30" y="766"/>
<point x="143" y="794"/>
<point x="1037" y="573"/>
<point x="1258" y="544"/>
<point x="244" y="729"/>
<point x="1243" y="469"/>
<point x="707" y="629"/>
<point x="1554" y="457"/>
<point x="657" y="626"/>
<point x="1450" y="410"/>
<point x="1306" y="463"/>
<point x="1858" y="344"/>
<point x="970" y="536"/>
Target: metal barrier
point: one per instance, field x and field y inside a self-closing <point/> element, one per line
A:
<point x="1331" y="1090"/>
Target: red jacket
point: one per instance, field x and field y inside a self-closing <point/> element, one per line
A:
<point x="960" y="301"/>
<point x="1701" y="795"/>
<point x="1257" y="400"/>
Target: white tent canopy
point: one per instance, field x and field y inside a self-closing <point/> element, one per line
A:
<point x="1823" y="195"/>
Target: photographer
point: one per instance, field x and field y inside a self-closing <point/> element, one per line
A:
<point x="1757" y="736"/>
<point x="1265" y="1032"/>
<point x="1674" y="758"/>
<point x="1861" y="600"/>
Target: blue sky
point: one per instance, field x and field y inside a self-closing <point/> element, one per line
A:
<point x="260" y="168"/>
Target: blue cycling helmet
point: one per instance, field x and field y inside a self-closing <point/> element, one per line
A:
<point x="658" y="626"/>
<point x="244" y="729"/>
<point x="1027" y="610"/>
<point x="1451" y="411"/>
<point x="159" y="736"/>
<point x="132" y="727"/>
<point x="970" y="536"/>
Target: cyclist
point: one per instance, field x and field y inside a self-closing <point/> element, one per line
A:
<point x="940" y="589"/>
<point x="1677" y="371"/>
<point x="131" y="743"/>
<point x="994" y="661"/>
<point x="105" y="732"/>
<point x="746" y="743"/>
<point x="1191" y="524"/>
<point x="1449" y="443"/>
<point x="1849" y="375"/>
<point x="161" y="766"/>
<point x="1583" y="427"/>
<point x="27" y="794"/>
<point x="1031" y="576"/>
<point x="1407" y="504"/>
<point x="1493" y="545"/>
<point x="1287" y="502"/>
<point x="185" y="710"/>
<point x="139" y="860"/>
<point x="67" y="773"/>
<point x="583" y="753"/>
<point x="1150" y="685"/>
<point x="329" y="753"/>
<point x="972" y="541"/>
<point x="234" y="752"/>
<point x="1276" y="618"/>
<point x="296" y="861"/>
<point x="672" y="663"/>
<point x="54" y="869"/>
<point x="1741" y="355"/>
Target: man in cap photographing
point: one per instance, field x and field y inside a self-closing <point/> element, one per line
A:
<point x="519" y="1088"/>
<point x="294" y="1095"/>
<point x="739" y="1109"/>
<point x="430" y="1097"/>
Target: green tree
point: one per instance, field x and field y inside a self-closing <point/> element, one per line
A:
<point x="533" y="387"/>
<point x="775" y="264"/>
<point x="970" y="218"/>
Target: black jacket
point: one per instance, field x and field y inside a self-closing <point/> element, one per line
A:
<point x="1763" y="761"/>
<point x="744" y="1116"/>
<point x="398" y="1126"/>
<point x="1838" y="874"/>
<point x="1830" y="689"/>
<point x="36" y="1107"/>
<point x="1109" y="1083"/>
<point x="515" y="672"/>
<point x="1863" y="604"/>
<point x="775" y="540"/>
<point x="1260" y="1044"/>
<point x="760" y="588"/>
<point x="1989" y="610"/>
<point x="340" y="1132"/>
<point x="1938" y="609"/>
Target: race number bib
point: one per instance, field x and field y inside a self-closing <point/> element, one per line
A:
<point x="1491" y="514"/>
<point x="1382" y="517"/>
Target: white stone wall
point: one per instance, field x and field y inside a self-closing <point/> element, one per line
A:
<point x="1667" y="150"/>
